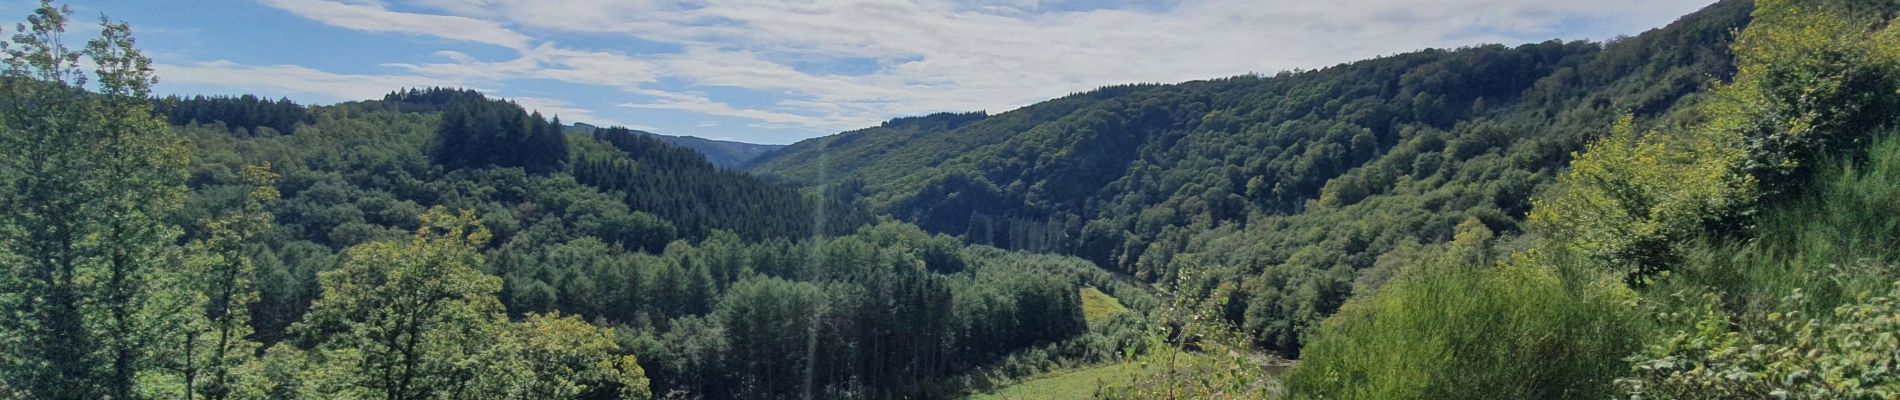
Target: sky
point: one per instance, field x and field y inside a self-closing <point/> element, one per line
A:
<point x="778" y="71"/>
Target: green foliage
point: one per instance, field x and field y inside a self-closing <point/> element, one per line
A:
<point x="720" y="153"/>
<point x="1098" y="307"/>
<point x="1203" y="356"/>
<point x="863" y="317"/>
<point x="1261" y="203"/>
<point x="86" y="179"/>
<point x="1813" y="80"/>
<point x="406" y="320"/>
<point x="681" y="186"/>
<point x="1849" y="354"/>
<point x="1798" y="311"/>
<point x="774" y="326"/>
<point x="1809" y="82"/>
<point x="244" y="115"/>
<point x="1632" y="201"/>
<point x="207" y="348"/>
<point x="1290" y="184"/>
<point x="1075" y="384"/>
<point x="555" y="357"/>
<point x="1452" y="325"/>
<point x="297" y="280"/>
<point x="1833" y="243"/>
<point x="414" y="319"/>
<point x="1663" y="210"/>
<point x="476" y="132"/>
<point x="812" y="160"/>
<point x="1189" y="375"/>
<point x="1781" y="315"/>
<point x="609" y="251"/>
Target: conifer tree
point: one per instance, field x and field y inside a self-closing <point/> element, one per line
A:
<point x="87" y="178"/>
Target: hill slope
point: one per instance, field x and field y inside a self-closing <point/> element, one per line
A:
<point x="702" y="270"/>
<point x="721" y="153"/>
<point x="1295" y="183"/>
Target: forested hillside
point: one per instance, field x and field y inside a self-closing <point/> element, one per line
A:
<point x="1704" y="210"/>
<point x="1294" y="185"/>
<point x="629" y="232"/>
<point x="861" y="149"/>
<point x="725" y="154"/>
<point x="437" y="243"/>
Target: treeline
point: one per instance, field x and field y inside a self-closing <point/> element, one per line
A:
<point x="724" y="154"/>
<point x="476" y="132"/>
<point x="678" y="183"/>
<point x="245" y="113"/>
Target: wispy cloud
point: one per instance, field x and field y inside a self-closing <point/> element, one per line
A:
<point x="292" y="79"/>
<point x="920" y="56"/>
<point x="702" y="105"/>
<point x="372" y="17"/>
<point x="568" y="113"/>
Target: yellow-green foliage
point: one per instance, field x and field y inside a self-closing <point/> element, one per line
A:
<point x="1805" y="309"/>
<point x="1815" y="78"/>
<point x="415" y="319"/>
<point x="1204" y="357"/>
<point x="1077" y="384"/>
<point x="409" y="317"/>
<point x="1098" y="306"/>
<point x="207" y="350"/>
<point x="548" y="356"/>
<point x="1812" y="76"/>
<point x="1808" y="80"/>
<point x="1834" y="243"/>
<point x="1216" y="373"/>
<point x="1631" y="200"/>
<point x="1450" y="327"/>
<point x="1852" y="354"/>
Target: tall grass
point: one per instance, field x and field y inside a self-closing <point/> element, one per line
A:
<point x="1451" y="328"/>
<point x="1837" y="241"/>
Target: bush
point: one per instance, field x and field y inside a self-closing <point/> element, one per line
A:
<point x="1633" y="201"/>
<point x="1455" y="327"/>
<point x="1851" y="354"/>
<point x="1793" y="313"/>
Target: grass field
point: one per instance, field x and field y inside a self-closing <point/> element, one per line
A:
<point x="1098" y="306"/>
<point x="1063" y="385"/>
<point x="1080" y="383"/>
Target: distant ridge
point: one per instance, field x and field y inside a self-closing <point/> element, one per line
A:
<point x="725" y="154"/>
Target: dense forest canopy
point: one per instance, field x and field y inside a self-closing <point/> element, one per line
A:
<point x="1705" y="210"/>
<point x="1296" y="183"/>
<point x="438" y="243"/>
<point x="246" y="112"/>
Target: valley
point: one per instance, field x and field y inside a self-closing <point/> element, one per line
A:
<point x="1705" y="209"/>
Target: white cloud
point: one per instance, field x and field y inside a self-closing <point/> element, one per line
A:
<point x="702" y="105"/>
<point x="948" y="55"/>
<point x="291" y="79"/>
<point x="547" y="61"/>
<point x="373" y="17"/>
<point x="568" y="113"/>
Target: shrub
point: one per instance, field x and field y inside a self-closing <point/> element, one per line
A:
<point x="1453" y="328"/>
<point x="1852" y="354"/>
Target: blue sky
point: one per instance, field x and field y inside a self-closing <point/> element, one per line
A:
<point x="777" y="71"/>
